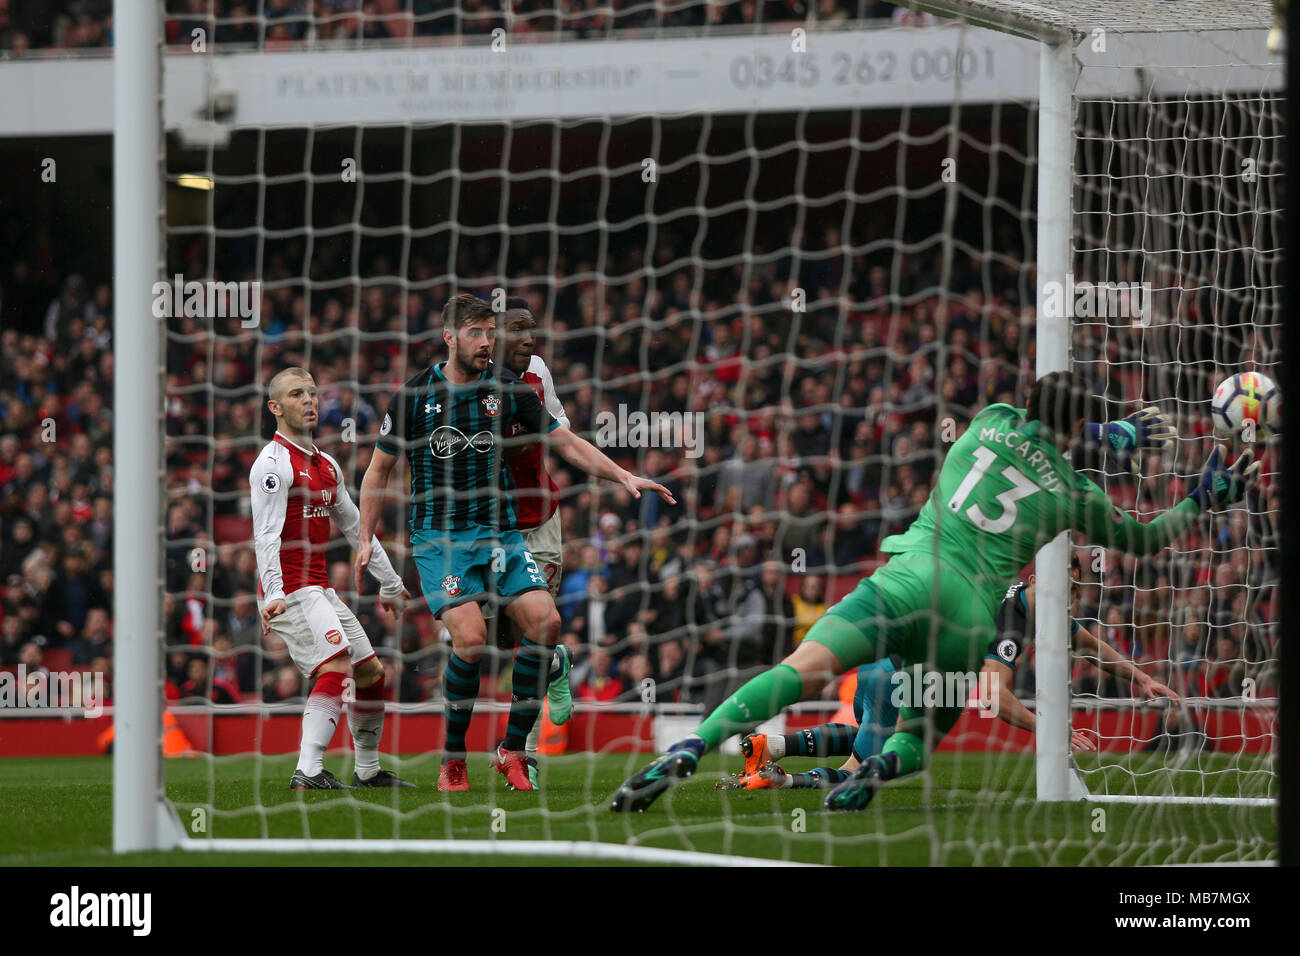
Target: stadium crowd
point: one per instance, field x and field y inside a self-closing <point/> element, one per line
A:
<point x="822" y="433"/>
<point x="28" y="26"/>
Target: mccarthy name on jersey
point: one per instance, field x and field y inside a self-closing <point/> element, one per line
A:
<point x="1033" y="457"/>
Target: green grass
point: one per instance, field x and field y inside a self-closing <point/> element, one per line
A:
<point x="967" y="809"/>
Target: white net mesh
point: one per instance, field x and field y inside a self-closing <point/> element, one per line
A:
<point x="837" y="308"/>
<point x="1181" y="192"/>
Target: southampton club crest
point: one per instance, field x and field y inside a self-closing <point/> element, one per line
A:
<point x="451" y="584"/>
<point x="492" y="405"/>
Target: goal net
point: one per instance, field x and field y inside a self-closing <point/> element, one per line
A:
<point x="815" y="242"/>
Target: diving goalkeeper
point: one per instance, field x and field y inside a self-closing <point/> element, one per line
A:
<point x="1006" y="489"/>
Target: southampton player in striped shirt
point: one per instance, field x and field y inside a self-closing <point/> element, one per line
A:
<point x="452" y="422"/>
<point x="1006" y="488"/>
<point x="296" y="488"/>
<point x="878" y="716"/>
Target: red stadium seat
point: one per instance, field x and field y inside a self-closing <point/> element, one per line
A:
<point x="58" y="659"/>
<point x="232" y="529"/>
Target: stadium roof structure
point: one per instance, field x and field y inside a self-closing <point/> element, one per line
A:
<point x="1055" y="19"/>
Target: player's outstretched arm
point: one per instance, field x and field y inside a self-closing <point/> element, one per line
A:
<point x="1011" y="711"/>
<point x="583" y="454"/>
<point x="1112" y="661"/>
<point x="373" y="485"/>
<point x="1219" y="485"/>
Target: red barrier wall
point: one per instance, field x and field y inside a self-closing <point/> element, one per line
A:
<point x="1121" y="729"/>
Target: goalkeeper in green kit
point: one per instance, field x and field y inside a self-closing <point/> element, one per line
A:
<point x="1006" y="488"/>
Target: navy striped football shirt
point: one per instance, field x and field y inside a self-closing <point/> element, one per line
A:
<point x="453" y="437"/>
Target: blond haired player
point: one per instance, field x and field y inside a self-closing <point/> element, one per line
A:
<point x="296" y="489"/>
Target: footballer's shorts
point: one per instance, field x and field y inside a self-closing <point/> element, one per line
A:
<point x="543" y="543"/>
<point x="476" y="564"/>
<point x="923" y="611"/>
<point x="874" y="708"/>
<point x="318" y="627"/>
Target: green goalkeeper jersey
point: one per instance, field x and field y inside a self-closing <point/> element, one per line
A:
<point x="1004" y="491"/>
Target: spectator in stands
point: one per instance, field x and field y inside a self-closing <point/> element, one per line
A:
<point x="284" y="685"/>
<point x="32" y="657"/>
<point x="631" y="588"/>
<point x="808" y="604"/>
<point x="96" y="639"/>
<point x="600" y="682"/>
<point x="747" y="472"/>
<point x="669" y="669"/>
<point x="636" y="676"/>
<point x="71" y="597"/>
<point x="1224" y="671"/>
<point x="11" y="639"/>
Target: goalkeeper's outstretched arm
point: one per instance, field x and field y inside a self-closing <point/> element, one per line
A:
<point x="1219" y="484"/>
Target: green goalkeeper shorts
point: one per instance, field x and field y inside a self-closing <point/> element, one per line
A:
<point x="920" y="609"/>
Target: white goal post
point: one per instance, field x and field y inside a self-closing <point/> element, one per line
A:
<point x="140" y="816"/>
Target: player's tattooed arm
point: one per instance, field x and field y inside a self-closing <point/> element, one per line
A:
<point x="583" y="454"/>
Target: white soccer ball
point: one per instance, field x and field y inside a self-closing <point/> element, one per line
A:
<point x="1245" y="405"/>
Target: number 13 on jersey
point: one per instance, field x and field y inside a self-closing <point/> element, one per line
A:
<point x="1021" y="487"/>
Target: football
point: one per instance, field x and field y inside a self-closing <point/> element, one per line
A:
<point x="1246" y="404"/>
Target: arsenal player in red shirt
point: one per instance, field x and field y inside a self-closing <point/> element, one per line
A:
<point x="296" y="490"/>
<point x="537" y="498"/>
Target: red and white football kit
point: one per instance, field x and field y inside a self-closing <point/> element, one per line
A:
<point x="537" y="496"/>
<point x="296" y="491"/>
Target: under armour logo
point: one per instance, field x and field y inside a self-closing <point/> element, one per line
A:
<point x="436" y="409"/>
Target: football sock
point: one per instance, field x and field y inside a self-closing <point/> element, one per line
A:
<point x="366" y="721"/>
<point x="460" y="689"/>
<point x="756" y="701"/>
<point x="535" y="735"/>
<point x="903" y="754"/>
<point x="319" y="720"/>
<point x="828" y="740"/>
<point x="822" y="778"/>
<point x="528" y="684"/>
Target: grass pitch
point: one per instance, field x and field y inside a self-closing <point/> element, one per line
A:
<point x="966" y="809"/>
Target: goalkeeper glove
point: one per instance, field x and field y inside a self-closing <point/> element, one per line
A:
<point x="1147" y="429"/>
<point x="1221" y="485"/>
